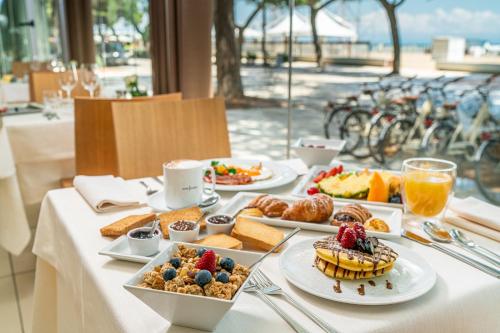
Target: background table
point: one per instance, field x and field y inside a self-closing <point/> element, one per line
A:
<point x="35" y="154"/>
<point x="79" y="291"/>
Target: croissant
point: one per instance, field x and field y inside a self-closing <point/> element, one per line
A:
<point x="269" y="205"/>
<point x="317" y="208"/>
<point x="351" y="214"/>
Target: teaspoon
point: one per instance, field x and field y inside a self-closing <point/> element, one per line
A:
<point x="461" y="238"/>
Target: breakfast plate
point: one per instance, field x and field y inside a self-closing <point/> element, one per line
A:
<point x="410" y="278"/>
<point x="307" y="182"/>
<point x="393" y="217"/>
<point x="157" y="202"/>
<point x="269" y="174"/>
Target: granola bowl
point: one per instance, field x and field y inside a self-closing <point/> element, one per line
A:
<point x="178" y="308"/>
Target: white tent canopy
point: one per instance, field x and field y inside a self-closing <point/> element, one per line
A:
<point x="327" y="25"/>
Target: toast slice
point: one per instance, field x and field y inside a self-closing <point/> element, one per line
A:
<point x="255" y="234"/>
<point x="188" y="214"/>
<point x="221" y="240"/>
<point x="124" y="225"/>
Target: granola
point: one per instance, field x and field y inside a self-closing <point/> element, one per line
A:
<point x="197" y="272"/>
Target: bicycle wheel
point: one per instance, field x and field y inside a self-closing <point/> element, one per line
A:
<point x="334" y="120"/>
<point x="393" y="139"/>
<point x="488" y="170"/>
<point x="377" y="125"/>
<point x="353" y="131"/>
<point x="436" y="139"/>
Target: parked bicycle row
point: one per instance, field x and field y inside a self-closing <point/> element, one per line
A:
<point x="399" y="117"/>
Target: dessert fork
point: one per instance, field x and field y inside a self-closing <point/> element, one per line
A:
<point x="270" y="288"/>
<point x="252" y="288"/>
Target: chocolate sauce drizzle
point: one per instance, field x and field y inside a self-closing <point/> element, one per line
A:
<point x="361" y="289"/>
<point x="336" y="287"/>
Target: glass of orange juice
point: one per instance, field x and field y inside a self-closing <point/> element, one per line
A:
<point x="427" y="186"/>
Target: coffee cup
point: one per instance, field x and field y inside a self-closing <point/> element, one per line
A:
<point x="184" y="184"/>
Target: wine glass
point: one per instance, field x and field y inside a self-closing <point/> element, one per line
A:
<point x="68" y="77"/>
<point x="427" y="187"/>
<point x="90" y="78"/>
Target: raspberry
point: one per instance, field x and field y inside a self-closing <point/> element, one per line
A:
<point x="348" y="240"/>
<point x="207" y="261"/>
<point x="342" y="228"/>
<point x="360" y="230"/>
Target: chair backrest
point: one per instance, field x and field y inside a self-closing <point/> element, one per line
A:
<point x="45" y="80"/>
<point x="95" y="148"/>
<point x="20" y="69"/>
<point x="150" y="133"/>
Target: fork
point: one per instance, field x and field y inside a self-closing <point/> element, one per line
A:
<point x="269" y="288"/>
<point x="252" y="288"/>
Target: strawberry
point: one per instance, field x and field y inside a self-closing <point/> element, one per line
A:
<point x="348" y="240"/>
<point x="359" y="230"/>
<point x="207" y="261"/>
<point x="312" y="190"/>
<point x="319" y="177"/>
<point x="342" y="228"/>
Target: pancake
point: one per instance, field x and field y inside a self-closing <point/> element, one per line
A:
<point x="337" y="272"/>
<point x="330" y="250"/>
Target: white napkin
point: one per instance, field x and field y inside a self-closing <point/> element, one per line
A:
<point x="475" y="215"/>
<point x="107" y="193"/>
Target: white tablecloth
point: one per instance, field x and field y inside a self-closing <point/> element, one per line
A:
<point x="76" y="290"/>
<point x="15" y="92"/>
<point x="35" y="154"/>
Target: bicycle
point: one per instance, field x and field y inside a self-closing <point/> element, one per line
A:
<point x="487" y="170"/>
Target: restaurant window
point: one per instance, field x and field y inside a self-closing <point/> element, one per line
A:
<point x="121" y="36"/>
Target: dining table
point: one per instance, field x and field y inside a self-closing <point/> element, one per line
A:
<point x="36" y="152"/>
<point x="78" y="290"/>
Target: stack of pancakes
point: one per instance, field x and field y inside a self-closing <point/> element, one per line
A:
<point x="351" y="264"/>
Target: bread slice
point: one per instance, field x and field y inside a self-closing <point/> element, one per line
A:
<point x="221" y="240"/>
<point x="255" y="234"/>
<point x="124" y="225"/>
<point x="188" y="214"/>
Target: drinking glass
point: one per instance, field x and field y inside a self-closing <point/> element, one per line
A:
<point x="50" y="99"/>
<point x="90" y="78"/>
<point x="68" y="77"/>
<point x="427" y="187"/>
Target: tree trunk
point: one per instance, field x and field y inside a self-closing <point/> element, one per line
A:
<point x="227" y="55"/>
<point x="263" y="39"/>
<point x="240" y="42"/>
<point x="396" y="61"/>
<point x="317" y="45"/>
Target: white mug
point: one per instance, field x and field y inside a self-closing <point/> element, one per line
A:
<point x="184" y="185"/>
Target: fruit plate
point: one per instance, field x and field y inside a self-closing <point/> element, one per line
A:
<point x="199" y="312"/>
<point x="410" y="278"/>
<point x="279" y="174"/>
<point x="306" y="182"/>
<point x="392" y="216"/>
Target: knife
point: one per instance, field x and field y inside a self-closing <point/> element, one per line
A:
<point x="424" y="241"/>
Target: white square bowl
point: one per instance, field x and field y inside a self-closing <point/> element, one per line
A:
<point x="318" y="156"/>
<point x="178" y="308"/>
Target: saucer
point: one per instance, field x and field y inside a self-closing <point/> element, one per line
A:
<point x="157" y="202"/>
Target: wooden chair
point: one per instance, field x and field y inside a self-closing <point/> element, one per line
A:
<point x="45" y="80"/>
<point x="20" y="69"/>
<point x="149" y="133"/>
<point x="95" y="147"/>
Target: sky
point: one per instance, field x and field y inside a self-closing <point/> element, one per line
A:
<point x="419" y="20"/>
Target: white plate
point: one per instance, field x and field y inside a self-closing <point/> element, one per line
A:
<point x="306" y="182"/>
<point x="392" y="216"/>
<point x="157" y="202"/>
<point x="411" y="277"/>
<point x="119" y="249"/>
<point x="281" y="175"/>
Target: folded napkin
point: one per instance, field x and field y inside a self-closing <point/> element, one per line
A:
<point x="297" y="165"/>
<point x="475" y="215"/>
<point x="107" y="193"/>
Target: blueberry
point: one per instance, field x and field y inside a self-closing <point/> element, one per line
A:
<point x="203" y="277"/>
<point x="176" y="262"/>
<point x="169" y="274"/>
<point x="222" y="277"/>
<point x="395" y="198"/>
<point x="227" y="264"/>
<point x="200" y="251"/>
